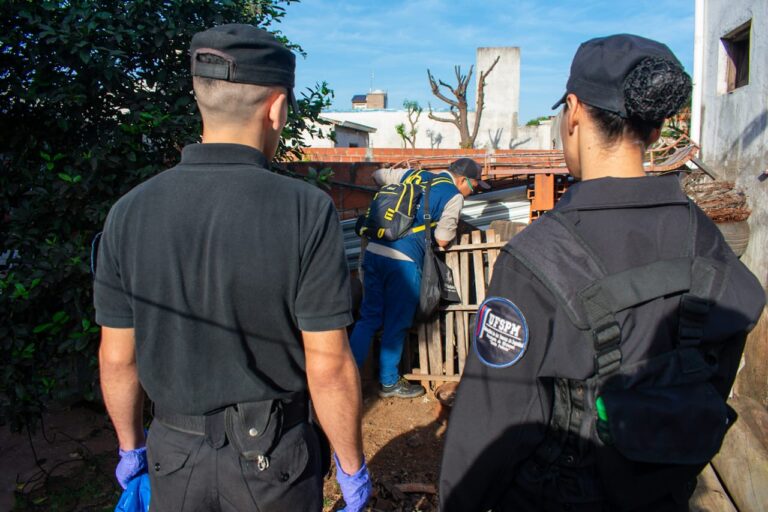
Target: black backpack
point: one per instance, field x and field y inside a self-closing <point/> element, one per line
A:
<point x="393" y="209"/>
<point x="629" y="434"/>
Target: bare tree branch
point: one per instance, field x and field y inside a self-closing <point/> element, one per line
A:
<point x="458" y="107"/>
<point x="467" y="79"/>
<point x="436" y="90"/>
<point x="441" y="119"/>
<point x="480" y="105"/>
<point x="487" y="72"/>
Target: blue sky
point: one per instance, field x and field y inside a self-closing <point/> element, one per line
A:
<point x="398" y="40"/>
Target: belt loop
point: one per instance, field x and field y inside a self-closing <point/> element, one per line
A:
<point x="215" y="429"/>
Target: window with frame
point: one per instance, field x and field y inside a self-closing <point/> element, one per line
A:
<point x="736" y="45"/>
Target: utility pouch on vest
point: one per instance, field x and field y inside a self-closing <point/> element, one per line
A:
<point x="651" y="425"/>
<point x="254" y="429"/>
<point x="637" y="417"/>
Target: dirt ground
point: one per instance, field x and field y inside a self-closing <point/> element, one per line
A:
<point x="76" y="456"/>
<point x="403" y="442"/>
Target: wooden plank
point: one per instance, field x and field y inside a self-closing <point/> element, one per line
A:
<point x="423" y="361"/>
<point x="466" y="299"/>
<point x="754" y="414"/>
<point x="406" y="359"/>
<point x="742" y="467"/>
<point x="432" y="378"/>
<point x="477" y="260"/>
<point x="464" y="271"/>
<point x="491" y="236"/>
<point x="435" y="347"/>
<point x="461" y="340"/>
<point x="472" y="247"/>
<point x="462" y="307"/>
<point x="416" y="488"/>
<point x="709" y="495"/>
<point x="450" y="340"/>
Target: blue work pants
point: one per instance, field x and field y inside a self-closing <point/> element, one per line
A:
<point x="390" y="297"/>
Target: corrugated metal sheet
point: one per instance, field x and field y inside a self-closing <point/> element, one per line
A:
<point x="509" y="204"/>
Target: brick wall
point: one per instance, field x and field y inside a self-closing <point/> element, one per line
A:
<point x="349" y="201"/>
<point x="353" y="185"/>
<point x="497" y="164"/>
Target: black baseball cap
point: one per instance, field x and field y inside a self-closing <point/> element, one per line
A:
<point x="470" y="169"/>
<point x="600" y="66"/>
<point x="252" y="55"/>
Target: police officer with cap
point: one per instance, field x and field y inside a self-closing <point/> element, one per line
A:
<point x="613" y="326"/>
<point x="222" y="291"/>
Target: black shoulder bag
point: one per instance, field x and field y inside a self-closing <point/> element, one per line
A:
<point x="436" y="278"/>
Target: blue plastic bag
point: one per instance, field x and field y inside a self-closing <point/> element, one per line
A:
<point x="136" y="496"/>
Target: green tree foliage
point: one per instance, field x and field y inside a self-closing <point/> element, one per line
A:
<point x="537" y="121"/>
<point x="95" y="97"/>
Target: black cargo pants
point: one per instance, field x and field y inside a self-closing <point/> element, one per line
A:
<point x="202" y="470"/>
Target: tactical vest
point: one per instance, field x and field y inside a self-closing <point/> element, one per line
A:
<point x="392" y="212"/>
<point x="629" y="434"/>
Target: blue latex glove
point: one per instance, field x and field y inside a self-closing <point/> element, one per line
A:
<point x="132" y="464"/>
<point x="356" y="488"/>
<point x="136" y="496"/>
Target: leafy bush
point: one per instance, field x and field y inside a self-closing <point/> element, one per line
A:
<point x="537" y="121"/>
<point x="95" y="97"/>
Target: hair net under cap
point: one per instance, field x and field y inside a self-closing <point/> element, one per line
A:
<point x="600" y="66"/>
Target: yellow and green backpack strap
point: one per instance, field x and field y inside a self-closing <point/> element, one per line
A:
<point x="422" y="227"/>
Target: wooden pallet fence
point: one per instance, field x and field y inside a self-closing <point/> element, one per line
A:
<point x="443" y="343"/>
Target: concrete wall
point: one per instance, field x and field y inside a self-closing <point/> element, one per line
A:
<point x="543" y="136"/>
<point x="499" y="123"/>
<point x="732" y="128"/>
<point x="346" y="136"/>
<point x="443" y="135"/>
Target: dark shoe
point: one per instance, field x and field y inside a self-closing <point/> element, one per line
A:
<point x="402" y="389"/>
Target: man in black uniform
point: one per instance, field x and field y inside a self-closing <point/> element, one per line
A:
<point x="614" y="325"/>
<point x="223" y="292"/>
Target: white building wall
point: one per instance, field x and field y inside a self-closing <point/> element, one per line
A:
<point x="734" y="126"/>
<point x="499" y="123"/>
<point x="430" y="133"/>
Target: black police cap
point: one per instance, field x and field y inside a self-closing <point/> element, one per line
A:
<point x="470" y="169"/>
<point x="600" y="66"/>
<point x="251" y="55"/>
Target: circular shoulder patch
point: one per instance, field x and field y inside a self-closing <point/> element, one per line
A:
<point x="501" y="333"/>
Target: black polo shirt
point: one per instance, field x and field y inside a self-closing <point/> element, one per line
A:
<point x="501" y="414"/>
<point x="219" y="264"/>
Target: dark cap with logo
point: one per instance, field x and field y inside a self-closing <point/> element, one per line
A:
<point x="251" y="56"/>
<point x="601" y="65"/>
<point x="470" y="169"/>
